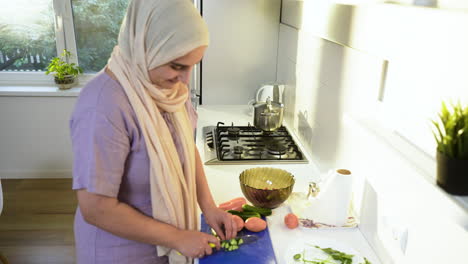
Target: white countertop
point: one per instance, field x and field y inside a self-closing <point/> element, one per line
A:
<point x="224" y="184"/>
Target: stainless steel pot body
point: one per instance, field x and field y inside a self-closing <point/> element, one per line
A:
<point x="268" y="116"/>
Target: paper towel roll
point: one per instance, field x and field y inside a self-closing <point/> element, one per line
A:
<point x="332" y="203"/>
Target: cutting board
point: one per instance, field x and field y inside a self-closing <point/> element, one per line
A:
<point x="260" y="252"/>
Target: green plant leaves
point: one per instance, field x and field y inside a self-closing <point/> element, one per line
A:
<point x="60" y="68"/>
<point x="451" y="132"/>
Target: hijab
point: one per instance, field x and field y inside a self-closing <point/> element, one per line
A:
<point x="154" y="33"/>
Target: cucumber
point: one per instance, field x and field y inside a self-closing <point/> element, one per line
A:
<point x="245" y="215"/>
<point x="262" y="211"/>
<point x="232" y="244"/>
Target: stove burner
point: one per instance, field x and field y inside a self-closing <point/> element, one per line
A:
<point x="233" y="131"/>
<point x="254" y="152"/>
<point x="247" y="144"/>
<point x="277" y="149"/>
<point x="238" y="150"/>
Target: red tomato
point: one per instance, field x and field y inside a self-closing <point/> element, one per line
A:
<point x="291" y="221"/>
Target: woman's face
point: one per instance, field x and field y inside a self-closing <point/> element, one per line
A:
<point x="179" y="70"/>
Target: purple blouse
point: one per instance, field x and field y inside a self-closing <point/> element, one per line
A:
<point x="110" y="158"/>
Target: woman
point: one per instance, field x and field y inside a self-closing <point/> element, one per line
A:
<point x="137" y="172"/>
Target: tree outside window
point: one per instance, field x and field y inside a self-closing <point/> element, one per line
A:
<point x="97" y="24"/>
<point x="27" y="33"/>
<point x="27" y="38"/>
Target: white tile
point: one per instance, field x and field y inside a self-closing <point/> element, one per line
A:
<point x="288" y="42"/>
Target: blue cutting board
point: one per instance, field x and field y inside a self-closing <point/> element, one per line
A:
<point x="260" y="252"/>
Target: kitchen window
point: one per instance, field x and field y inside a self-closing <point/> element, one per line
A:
<point x="27" y="38"/>
<point x="33" y="32"/>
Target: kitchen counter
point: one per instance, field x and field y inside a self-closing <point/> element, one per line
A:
<point x="224" y="184"/>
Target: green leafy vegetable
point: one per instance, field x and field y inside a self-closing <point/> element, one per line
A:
<point x="298" y="257"/>
<point x="333" y="254"/>
<point x="338" y="255"/>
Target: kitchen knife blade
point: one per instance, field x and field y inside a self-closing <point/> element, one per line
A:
<point x="248" y="239"/>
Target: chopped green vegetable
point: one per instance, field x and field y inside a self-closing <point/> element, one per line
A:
<point x="297" y="256"/>
<point x="232" y="244"/>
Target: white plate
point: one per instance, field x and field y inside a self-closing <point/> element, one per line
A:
<point x="310" y="252"/>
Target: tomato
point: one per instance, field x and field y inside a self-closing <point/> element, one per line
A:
<point x="291" y="221"/>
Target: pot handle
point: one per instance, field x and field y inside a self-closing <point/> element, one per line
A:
<point x="258" y="92"/>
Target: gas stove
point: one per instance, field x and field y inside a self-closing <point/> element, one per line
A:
<point x="249" y="145"/>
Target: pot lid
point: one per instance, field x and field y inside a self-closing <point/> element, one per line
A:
<point x="268" y="104"/>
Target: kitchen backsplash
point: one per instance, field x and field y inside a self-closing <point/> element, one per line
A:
<point x="331" y="97"/>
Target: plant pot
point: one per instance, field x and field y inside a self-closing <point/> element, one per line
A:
<point x="66" y="83"/>
<point x="452" y="174"/>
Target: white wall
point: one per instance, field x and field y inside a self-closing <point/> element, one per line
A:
<point x="242" y="52"/>
<point x="34" y="141"/>
<point x="343" y="65"/>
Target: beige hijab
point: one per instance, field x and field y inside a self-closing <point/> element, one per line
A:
<point x="153" y="33"/>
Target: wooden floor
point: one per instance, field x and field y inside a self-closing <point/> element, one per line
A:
<point x="36" y="225"/>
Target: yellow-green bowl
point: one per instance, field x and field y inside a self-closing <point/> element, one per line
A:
<point x="266" y="187"/>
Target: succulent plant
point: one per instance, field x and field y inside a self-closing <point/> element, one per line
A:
<point x="451" y="131"/>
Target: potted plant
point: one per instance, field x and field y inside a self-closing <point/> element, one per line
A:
<point x="64" y="73"/>
<point x="451" y="135"/>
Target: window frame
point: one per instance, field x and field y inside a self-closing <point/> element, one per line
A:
<point x="64" y="39"/>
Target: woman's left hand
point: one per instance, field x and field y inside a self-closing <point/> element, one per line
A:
<point x="222" y="223"/>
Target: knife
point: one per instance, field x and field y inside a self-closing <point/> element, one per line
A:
<point x="246" y="239"/>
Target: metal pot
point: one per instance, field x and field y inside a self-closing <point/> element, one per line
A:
<point x="268" y="116"/>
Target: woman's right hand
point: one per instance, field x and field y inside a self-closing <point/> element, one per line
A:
<point x="195" y="244"/>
